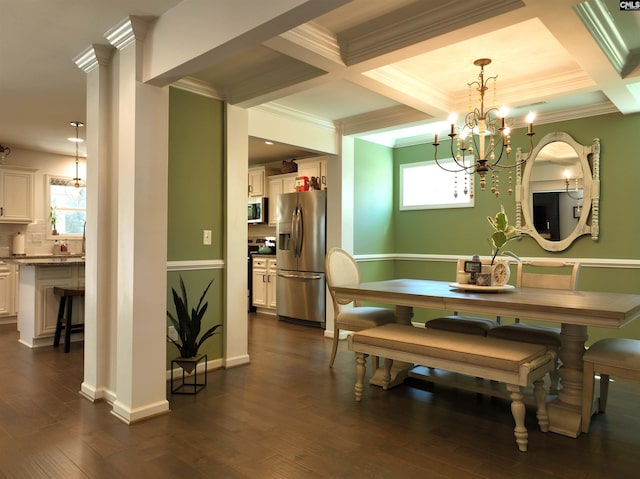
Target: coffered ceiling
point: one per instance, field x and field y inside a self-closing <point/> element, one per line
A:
<point x="371" y="67"/>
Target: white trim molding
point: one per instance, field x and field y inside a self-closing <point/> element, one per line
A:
<point x="191" y="265"/>
<point x="623" y="263"/>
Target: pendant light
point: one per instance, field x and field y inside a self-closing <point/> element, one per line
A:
<point x="76" y="182"/>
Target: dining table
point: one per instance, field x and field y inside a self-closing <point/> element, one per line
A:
<point x="574" y="310"/>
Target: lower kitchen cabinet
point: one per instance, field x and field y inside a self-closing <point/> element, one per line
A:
<point x="264" y="284"/>
<point x="38" y="306"/>
<point x="7" y="303"/>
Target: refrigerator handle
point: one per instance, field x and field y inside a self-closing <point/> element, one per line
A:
<point x="297" y="232"/>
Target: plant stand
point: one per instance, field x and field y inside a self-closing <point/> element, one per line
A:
<point x="189" y="365"/>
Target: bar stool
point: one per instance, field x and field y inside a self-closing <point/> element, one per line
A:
<point x="67" y="296"/>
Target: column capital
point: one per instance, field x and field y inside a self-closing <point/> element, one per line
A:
<point x="93" y="56"/>
<point x="131" y="29"/>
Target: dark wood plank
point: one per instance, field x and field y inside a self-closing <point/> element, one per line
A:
<point x="287" y="415"/>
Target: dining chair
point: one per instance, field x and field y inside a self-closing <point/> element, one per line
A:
<point x="462" y="324"/>
<point x="558" y="275"/>
<point x="349" y="315"/>
<point x="619" y="357"/>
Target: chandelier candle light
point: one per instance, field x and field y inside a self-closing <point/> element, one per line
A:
<point x="483" y="141"/>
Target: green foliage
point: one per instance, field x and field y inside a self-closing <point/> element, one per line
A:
<point x="502" y="235"/>
<point x="188" y="323"/>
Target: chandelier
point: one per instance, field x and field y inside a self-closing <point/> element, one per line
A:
<point x="76" y="182"/>
<point x="483" y="144"/>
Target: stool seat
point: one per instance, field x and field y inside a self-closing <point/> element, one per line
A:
<point x="59" y="291"/>
<point x="63" y="321"/>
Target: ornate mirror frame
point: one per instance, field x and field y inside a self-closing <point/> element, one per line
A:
<point x="591" y="191"/>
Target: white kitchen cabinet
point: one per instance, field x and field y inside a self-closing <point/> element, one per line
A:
<point x="264" y="284"/>
<point x="7" y="307"/>
<point x="279" y="184"/>
<point x="16" y="195"/>
<point x="257" y="178"/>
<point x="314" y="167"/>
<point x="38" y="308"/>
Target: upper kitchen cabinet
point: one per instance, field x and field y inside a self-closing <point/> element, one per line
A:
<point x="256" y="181"/>
<point x="316" y="167"/>
<point x="16" y="194"/>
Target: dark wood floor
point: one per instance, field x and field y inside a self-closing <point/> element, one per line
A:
<point x="287" y="415"/>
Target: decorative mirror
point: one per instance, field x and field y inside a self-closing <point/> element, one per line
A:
<point x="558" y="191"/>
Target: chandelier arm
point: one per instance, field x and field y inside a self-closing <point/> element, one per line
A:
<point x="462" y="168"/>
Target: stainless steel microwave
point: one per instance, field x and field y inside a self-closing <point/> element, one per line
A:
<point x="257" y="210"/>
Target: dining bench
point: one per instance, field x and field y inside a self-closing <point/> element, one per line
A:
<point x="513" y="363"/>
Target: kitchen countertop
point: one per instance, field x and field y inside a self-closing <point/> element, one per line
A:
<point x="45" y="259"/>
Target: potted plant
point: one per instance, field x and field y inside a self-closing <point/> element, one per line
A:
<point x="187" y="324"/>
<point x="503" y="233"/>
<point x="53" y="217"/>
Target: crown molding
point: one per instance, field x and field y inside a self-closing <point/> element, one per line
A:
<point x="198" y="87"/>
<point x="313" y="39"/>
<point x="597" y="19"/>
<point x="414" y="24"/>
<point x="131" y="29"/>
<point x="291" y="113"/>
<point x="380" y="119"/>
<point x="93" y="56"/>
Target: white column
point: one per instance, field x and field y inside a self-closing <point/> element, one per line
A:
<point x="95" y="63"/>
<point x="236" y="325"/>
<point x="141" y="126"/>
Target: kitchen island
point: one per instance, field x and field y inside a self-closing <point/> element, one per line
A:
<point x="37" y="305"/>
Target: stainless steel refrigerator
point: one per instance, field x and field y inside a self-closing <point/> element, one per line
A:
<point x="300" y="250"/>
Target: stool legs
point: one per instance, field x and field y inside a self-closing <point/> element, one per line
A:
<point x="64" y="320"/>
<point x="67" y="327"/>
<point x="56" y="338"/>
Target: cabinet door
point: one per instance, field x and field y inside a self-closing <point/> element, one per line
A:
<point x="259" y="288"/>
<point x="309" y="169"/>
<point x="275" y="188"/>
<point x="271" y="290"/>
<point x="289" y="184"/>
<point x="16" y="196"/>
<point x="323" y="174"/>
<point x="5" y="293"/>
<point x="256" y="182"/>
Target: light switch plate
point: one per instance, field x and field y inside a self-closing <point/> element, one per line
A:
<point x="206" y="237"/>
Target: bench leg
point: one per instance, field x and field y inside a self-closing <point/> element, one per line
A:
<point x="518" y="411"/>
<point x="361" y="366"/>
<point x="386" y="377"/>
<point x="540" y="393"/>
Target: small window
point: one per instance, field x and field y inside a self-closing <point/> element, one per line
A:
<point x="425" y="185"/>
<point x="68" y="205"/>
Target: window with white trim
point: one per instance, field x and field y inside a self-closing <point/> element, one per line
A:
<point x="68" y="204"/>
<point x="425" y="185"/>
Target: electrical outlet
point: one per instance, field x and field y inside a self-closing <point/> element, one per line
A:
<point x="172" y="333"/>
<point x="206" y="237"/>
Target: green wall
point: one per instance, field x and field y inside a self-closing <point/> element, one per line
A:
<point x="196" y="203"/>
<point x="463" y="231"/>
<point x="373" y="193"/>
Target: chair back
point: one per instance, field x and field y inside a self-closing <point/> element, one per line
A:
<point x="548" y="275"/>
<point x="340" y="268"/>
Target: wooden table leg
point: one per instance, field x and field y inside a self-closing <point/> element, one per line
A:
<point x="565" y="413"/>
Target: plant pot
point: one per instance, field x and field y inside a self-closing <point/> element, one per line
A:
<point x="189" y="364"/>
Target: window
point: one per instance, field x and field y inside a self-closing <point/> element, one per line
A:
<point x="427" y="186"/>
<point x="68" y="204"/>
